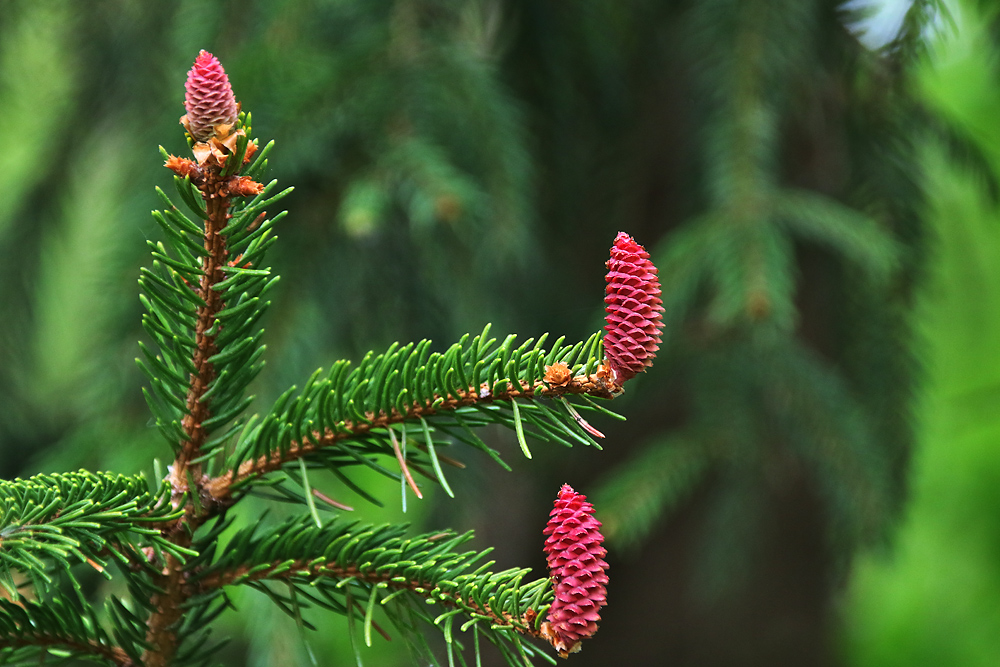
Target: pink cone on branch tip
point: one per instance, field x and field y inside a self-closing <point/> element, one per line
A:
<point x="634" y="310"/>
<point x="209" y="98"/>
<point x="579" y="574"/>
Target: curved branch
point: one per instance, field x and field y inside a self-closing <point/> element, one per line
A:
<point x="220" y="488"/>
<point x="282" y="570"/>
<point x="112" y="654"/>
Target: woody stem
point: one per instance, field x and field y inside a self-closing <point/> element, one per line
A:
<point x="186" y="476"/>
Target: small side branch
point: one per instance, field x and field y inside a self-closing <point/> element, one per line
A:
<point x="524" y="624"/>
<point x="220" y="488"/>
<point x="112" y="654"/>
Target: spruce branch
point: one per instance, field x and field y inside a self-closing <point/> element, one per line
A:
<point x="854" y="235"/>
<point x="199" y="342"/>
<point x="197" y="409"/>
<point x="472" y="383"/>
<point x="340" y="560"/>
<point x="204" y="297"/>
<point x="30" y="630"/>
<point x="647" y="486"/>
<point x="751" y="267"/>
<point x="79" y="517"/>
<point x="851" y="471"/>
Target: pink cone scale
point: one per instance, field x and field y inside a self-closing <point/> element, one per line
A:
<point x="579" y="574"/>
<point x="209" y="99"/>
<point x="634" y="310"/>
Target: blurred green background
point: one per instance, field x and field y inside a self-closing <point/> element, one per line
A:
<point x="810" y="475"/>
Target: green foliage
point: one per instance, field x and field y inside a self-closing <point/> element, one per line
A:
<point x="933" y="600"/>
<point x="455" y="159"/>
<point x="778" y="252"/>
<point x="204" y="297"/>
<point x="648" y="486"/>
<point x="30" y="628"/>
<point x="344" y="565"/>
<point x="439" y="397"/>
<point x="65" y="519"/>
<point x="51" y="523"/>
<point x="849" y="233"/>
<point x="172" y="304"/>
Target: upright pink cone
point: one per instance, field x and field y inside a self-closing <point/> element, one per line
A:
<point x="209" y="99"/>
<point x="634" y="310"/>
<point x="579" y="574"/>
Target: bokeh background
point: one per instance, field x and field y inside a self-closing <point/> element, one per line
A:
<point x="810" y="475"/>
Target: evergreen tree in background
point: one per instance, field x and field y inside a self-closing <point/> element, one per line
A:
<point x="934" y="600"/>
<point x="459" y="158"/>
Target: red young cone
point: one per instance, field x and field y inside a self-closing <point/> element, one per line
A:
<point x="579" y="574"/>
<point x="209" y="99"/>
<point x="634" y="310"/>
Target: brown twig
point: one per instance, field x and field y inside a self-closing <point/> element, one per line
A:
<point x="402" y="464"/>
<point x="217" y="208"/>
<point x="161" y="634"/>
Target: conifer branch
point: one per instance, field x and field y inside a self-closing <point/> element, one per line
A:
<point x="204" y="297"/>
<point x="29" y="628"/>
<point x="648" y="485"/>
<point x="340" y="557"/>
<point x="78" y="517"/>
<point x="306" y="571"/>
<point x="111" y="654"/>
<point x="759" y="258"/>
<point x="217" y="209"/>
<point x="186" y="471"/>
<point x="220" y="488"/>
<point x="221" y="151"/>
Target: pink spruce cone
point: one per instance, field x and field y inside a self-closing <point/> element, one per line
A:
<point x="634" y="310"/>
<point x="574" y="554"/>
<point x="209" y="99"/>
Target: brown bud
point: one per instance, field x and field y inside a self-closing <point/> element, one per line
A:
<point x="241" y="186"/>
<point x="183" y="167"/>
<point x="558" y="375"/>
<point x="251" y="149"/>
<point x="236" y="262"/>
